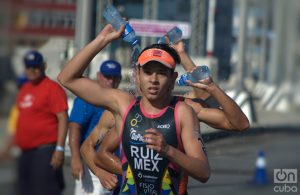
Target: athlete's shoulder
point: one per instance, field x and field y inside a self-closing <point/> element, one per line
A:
<point x="124" y="99"/>
<point x="183" y="107"/>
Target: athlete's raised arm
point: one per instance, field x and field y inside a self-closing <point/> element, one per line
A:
<point x="229" y="116"/>
<point x="71" y="75"/>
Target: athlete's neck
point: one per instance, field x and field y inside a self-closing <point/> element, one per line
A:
<point x="155" y="106"/>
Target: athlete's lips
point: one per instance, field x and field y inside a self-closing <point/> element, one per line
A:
<point x="153" y="90"/>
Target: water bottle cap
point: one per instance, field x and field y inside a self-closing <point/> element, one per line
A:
<point x="182" y="80"/>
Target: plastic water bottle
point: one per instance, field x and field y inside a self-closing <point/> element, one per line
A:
<point x="136" y="50"/>
<point x="113" y="17"/>
<point x="174" y="35"/>
<point x="200" y="73"/>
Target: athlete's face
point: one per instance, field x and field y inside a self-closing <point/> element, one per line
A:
<point x="156" y="80"/>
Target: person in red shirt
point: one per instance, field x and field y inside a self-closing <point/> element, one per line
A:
<point x="41" y="131"/>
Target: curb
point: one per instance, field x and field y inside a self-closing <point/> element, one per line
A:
<point x="208" y="137"/>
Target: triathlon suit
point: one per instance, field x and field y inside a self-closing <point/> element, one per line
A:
<point x="144" y="170"/>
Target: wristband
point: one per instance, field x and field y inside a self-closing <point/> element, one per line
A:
<point x="59" y="148"/>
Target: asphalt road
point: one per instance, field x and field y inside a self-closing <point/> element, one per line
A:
<point x="232" y="160"/>
<point x="233" y="163"/>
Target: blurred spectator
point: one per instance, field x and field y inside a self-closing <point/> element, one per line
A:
<point x="84" y="117"/>
<point x="14" y="113"/>
<point x="12" y="122"/>
<point x="41" y="131"/>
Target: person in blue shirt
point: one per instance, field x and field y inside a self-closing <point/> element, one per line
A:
<point x="83" y="118"/>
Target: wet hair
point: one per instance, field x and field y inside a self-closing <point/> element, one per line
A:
<point x="167" y="48"/>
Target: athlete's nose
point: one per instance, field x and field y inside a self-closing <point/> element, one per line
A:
<point x="153" y="77"/>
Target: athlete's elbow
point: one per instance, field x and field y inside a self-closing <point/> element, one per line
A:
<point x="63" y="79"/>
<point x="203" y="175"/>
<point x="244" y="125"/>
<point x="245" y="128"/>
<point x="60" y="78"/>
<point x="203" y="178"/>
<point x="240" y="126"/>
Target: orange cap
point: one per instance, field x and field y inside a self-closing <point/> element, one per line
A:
<point x="158" y="55"/>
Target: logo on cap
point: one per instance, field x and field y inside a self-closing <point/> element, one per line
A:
<point x="30" y="56"/>
<point x="157" y="53"/>
<point x="111" y="66"/>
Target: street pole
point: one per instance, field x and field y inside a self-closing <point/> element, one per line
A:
<point x="197" y="19"/>
<point x="211" y="28"/>
<point x="278" y="43"/>
<point x="241" y="66"/>
<point x="83" y="27"/>
<point x="291" y="45"/>
<point x="265" y="40"/>
<point x="150" y="12"/>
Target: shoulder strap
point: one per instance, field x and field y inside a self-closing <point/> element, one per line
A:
<point x="132" y="103"/>
<point x="138" y="99"/>
<point x="177" y="124"/>
<point x="174" y="101"/>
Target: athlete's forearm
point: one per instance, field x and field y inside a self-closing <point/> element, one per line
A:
<point x="87" y="149"/>
<point x="198" y="168"/>
<point x="108" y="161"/>
<point x="76" y="66"/>
<point x="233" y="113"/>
<point x="186" y="61"/>
<point x="88" y="154"/>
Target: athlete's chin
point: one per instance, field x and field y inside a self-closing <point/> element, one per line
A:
<point x="152" y="96"/>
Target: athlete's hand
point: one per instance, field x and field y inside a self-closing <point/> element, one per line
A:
<point x="204" y="84"/>
<point x="108" y="180"/>
<point x="76" y="168"/>
<point x="156" y="141"/>
<point x="57" y="159"/>
<point x="109" y="34"/>
<point x="179" y="47"/>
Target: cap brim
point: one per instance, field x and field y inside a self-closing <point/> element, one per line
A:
<point x="153" y="59"/>
<point x="157" y="55"/>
